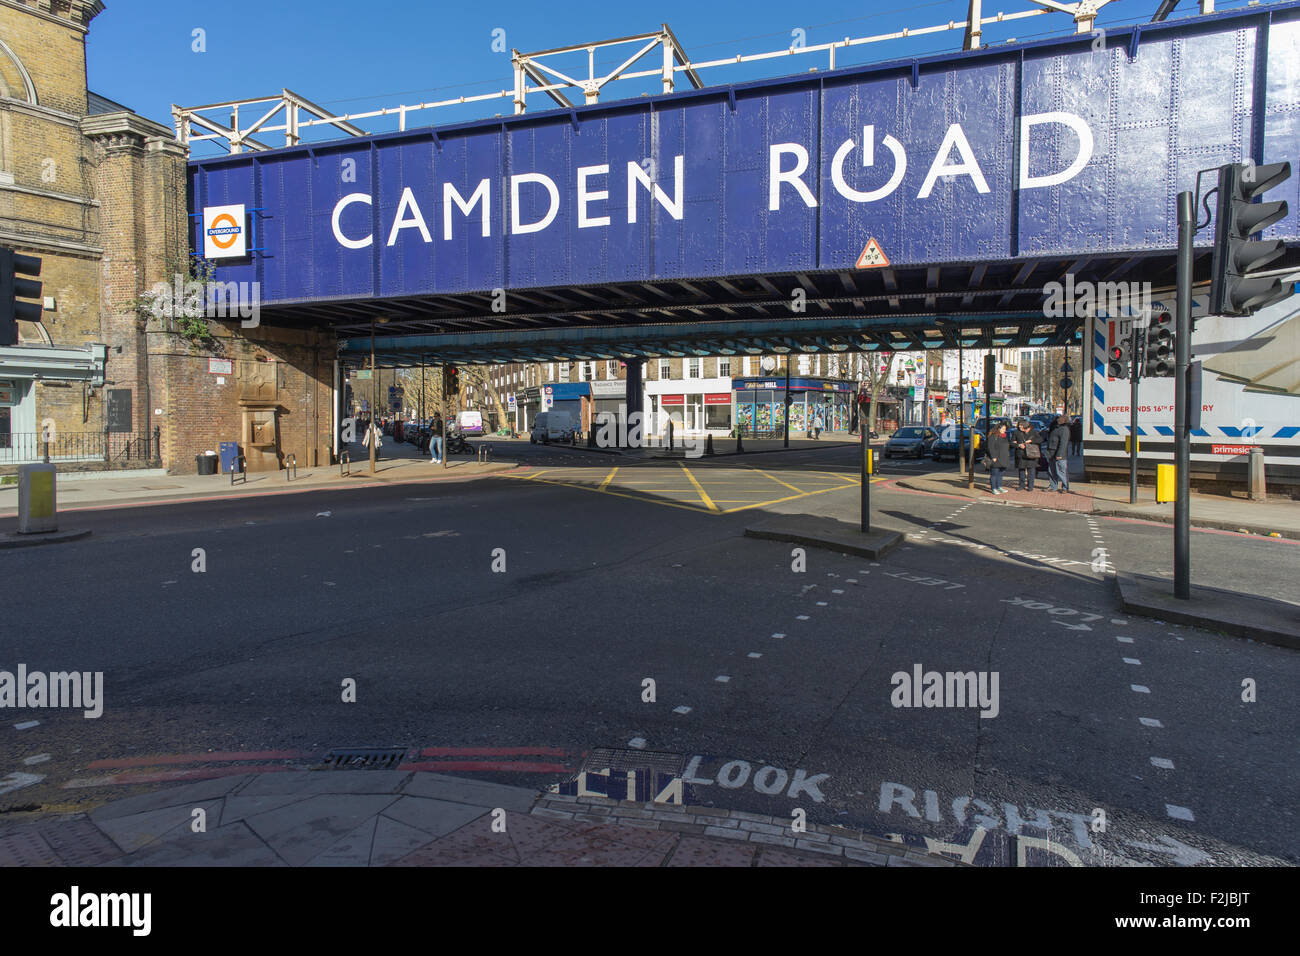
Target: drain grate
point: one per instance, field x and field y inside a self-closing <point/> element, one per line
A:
<point x="363" y="758"/>
<point x="607" y="758"/>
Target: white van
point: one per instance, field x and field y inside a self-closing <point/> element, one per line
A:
<point x="471" y="423"/>
<point x="552" y="426"/>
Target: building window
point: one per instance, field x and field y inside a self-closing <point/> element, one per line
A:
<point x="564" y="371"/>
<point x="665" y="368"/>
<point x="611" y="368"/>
<point x="693" y="368"/>
<point x="745" y="366"/>
<point x="724" y="368"/>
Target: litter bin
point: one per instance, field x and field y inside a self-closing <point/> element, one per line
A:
<point x="229" y="456"/>
<point x="207" y="463"/>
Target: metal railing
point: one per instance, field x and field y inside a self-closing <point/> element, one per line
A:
<point x="18" y="448"/>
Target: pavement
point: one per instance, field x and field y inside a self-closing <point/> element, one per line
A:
<point x="399" y="818"/>
<point x="1277" y="517"/>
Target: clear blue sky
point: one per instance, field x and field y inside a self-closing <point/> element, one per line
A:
<point x="353" y="55"/>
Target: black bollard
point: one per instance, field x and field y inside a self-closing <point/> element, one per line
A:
<point x="708" y="445"/>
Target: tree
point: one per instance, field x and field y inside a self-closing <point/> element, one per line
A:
<point x="873" y="370"/>
<point x="481" y="375"/>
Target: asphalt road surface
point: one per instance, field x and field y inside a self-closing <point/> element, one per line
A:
<point x="506" y="626"/>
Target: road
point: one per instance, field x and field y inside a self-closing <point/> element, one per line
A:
<point x="503" y="627"/>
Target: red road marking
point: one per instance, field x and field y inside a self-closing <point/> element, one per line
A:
<point x="166" y="776"/>
<point x="493" y="752"/>
<point x="502" y="766"/>
<point x="164" y="759"/>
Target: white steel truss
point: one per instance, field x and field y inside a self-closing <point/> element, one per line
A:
<point x="220" y="122"/>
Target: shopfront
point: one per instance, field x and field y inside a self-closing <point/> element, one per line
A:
<point x="760" y="404"/>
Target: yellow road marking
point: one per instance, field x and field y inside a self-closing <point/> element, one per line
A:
<point x="704" y="497"/>
<point x="608" y="478"/>
<point x="774" y="478"/>
<point x="774" y="501"/>
<point x="529" y="477"/>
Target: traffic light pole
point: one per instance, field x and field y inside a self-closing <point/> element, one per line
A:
<point x="1182" y="363"/>
<point x="1134" y="371"/>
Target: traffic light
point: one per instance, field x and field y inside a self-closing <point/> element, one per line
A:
<point x="1119" y="359"/>
<point x="452" y="374"/>
<point x="1233" y="288"/>
<point x="13" y="265"/>
<point x="1159" y="358"/>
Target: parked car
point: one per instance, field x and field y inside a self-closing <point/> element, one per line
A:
<point x="910" y="441"/>
<point x="945" y="446"/>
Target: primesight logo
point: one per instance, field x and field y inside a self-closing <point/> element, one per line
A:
<point x="947" y="689"/>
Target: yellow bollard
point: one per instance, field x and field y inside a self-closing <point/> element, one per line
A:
<point x="871" y="462"/>
<point x="1166" y="481"/>
<point x="1127" y="440"/>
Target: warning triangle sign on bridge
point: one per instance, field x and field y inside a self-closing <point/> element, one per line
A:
<point x="873" y="257"/>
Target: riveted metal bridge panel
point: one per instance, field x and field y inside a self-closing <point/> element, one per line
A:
<point x="777" y="177"/>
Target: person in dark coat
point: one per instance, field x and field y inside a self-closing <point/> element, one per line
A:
<point x="1057" y="452"/>
<point x="998" y="452"/>
<point x="1076" y="437"/>
<point x="1027" y="446"/>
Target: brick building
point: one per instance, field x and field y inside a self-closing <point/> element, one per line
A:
<point x="97" y="192"/>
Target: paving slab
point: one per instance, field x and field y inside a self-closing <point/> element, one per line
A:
<point x="474" y="792"/>
<point x="190" y="793"/>
<point x="240" y="806"/>
<point x="302" y="830"/>
<point x="1259" y="618"/>
<point x="138" y="830"/>
<point x="234" y="845"/>
<point x="435" y="818"/>
<point x="827" y="534"/>
<point x="325" y="781"/>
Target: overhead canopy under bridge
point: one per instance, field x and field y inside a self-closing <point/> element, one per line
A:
<point x="739" y="217"/>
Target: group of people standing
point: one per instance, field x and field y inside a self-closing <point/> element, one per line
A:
<point x="1023" y="448"/>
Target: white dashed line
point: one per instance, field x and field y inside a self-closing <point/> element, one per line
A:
<point x="27" y="725"/>
<point x="1164" y="763"/>
<point x="778" y="636"/>
<point x="681" y="710"/>
<point x="722" y="678"/>
<point x="822" y="604"/>
<point x="801" y="617"/>
<point x="1118" y="620"/>
<point x="851" y="580"/>
<point x="836" y="591"/>
<point x="1139" y="689"/>
<point x="32" y="761"/>
<point x="1124" y="640"/>
<point x="755" y="654"/>
<point x="1150" y="722"/>
<point x="1132" y="660"/>
<point x="1179" y="813"/>
<point x="637" y="743"/>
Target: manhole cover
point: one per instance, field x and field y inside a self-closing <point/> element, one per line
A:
<point x="364" y="758"/>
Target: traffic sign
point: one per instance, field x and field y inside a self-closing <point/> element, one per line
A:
<point x="873" y="257"/>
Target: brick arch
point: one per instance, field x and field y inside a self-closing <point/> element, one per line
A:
<point x="11" y="70"/>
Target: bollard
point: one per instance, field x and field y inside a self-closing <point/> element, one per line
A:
<point x="345" y="464"/>
<point x="290" y="466"/>
<point x="708" y="445"/>
<point x="739" y="445"/>
<point x="1258" y="492"/>
<point x="37" y="499"/>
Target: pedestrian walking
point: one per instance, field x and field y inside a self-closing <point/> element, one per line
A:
<point x="1056" y="451"/>
<point x="372" y="435"/>
<point x="818" y="423"/>
<point x="1027" y="446"/>
<point x="853" y="419"/>
<point x="435" y="440"/>
<point x="997" y="456"/>
<point x="1076" y="437"/>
